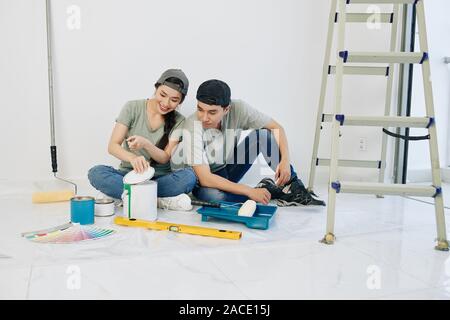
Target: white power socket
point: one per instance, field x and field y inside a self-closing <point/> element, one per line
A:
<point x="362" y="144"/>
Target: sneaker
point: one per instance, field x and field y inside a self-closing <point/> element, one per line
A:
<point x="295" y="194"/>
<point x="275" y="191"/>
<point x="182" y="202"/>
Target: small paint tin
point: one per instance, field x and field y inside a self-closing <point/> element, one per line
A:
<point x="82" y="210"/>
<point x="104" y="207"/>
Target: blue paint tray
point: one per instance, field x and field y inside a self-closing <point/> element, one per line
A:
<point x="260" y="219"/>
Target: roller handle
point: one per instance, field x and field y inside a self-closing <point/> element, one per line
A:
<point x="54" y="162"/>
<point x="205" y="204"/>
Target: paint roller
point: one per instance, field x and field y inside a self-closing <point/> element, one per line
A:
<point x="205" y="204"/>
<point x="247" y="208"/>
<point x="62" y="195"/>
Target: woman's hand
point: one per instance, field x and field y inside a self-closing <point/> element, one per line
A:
<point x="140" y="164"/>
<point x="283" y="173"/>
<point x="136" y="143"/>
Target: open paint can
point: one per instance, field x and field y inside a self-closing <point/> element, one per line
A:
<point x="82" y="210"/>
<point x="139" y="195"/>
<point x="140" y="201"/>
<point x="104" y="207"/>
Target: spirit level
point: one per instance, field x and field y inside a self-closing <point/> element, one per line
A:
<point x="181" y="228"/>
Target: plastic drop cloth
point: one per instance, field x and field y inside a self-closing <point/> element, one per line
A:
<point x="20" y="215"/>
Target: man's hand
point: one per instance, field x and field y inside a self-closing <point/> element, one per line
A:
<point x="136" y="143"/>
<point x="139" y="163"/>
<point x="283" y="173"/>
<point x="260" y="195"/>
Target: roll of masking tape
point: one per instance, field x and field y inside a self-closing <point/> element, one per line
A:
<point x="104" y="207"/>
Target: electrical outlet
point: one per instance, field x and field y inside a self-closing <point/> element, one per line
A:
<point x="362" y="144"/>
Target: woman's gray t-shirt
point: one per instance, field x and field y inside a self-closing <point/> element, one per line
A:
<point x="134" y="116"/>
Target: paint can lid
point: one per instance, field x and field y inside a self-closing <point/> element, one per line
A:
<point x="133" y="177"/>
<point x="104" y="201"/>
<point x="82" y="198"/>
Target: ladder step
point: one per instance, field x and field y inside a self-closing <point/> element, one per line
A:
<point x="386" y="189"/>
<point x="365" y="17"/>
<point x="383" y="121"/>
<point x="351" y="163"/>
<point x="374" y="71"/>
<point x="383" y="57"/>
<point x="382" y="1"/>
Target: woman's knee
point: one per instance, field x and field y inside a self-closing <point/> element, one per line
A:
<point x="186" y="178"/>
<point x="94" y="173"/>
<point x="191" y="180"/>
<point x="98" y="173"/>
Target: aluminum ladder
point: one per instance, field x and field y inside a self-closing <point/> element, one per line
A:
<point x="343" y="67"/>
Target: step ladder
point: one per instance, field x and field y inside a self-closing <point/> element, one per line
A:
<point x="343" y="67"/>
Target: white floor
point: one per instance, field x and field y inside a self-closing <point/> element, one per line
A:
<point x="384" y="250"/>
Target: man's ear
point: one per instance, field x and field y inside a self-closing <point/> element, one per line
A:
<point x="226" y="109"/>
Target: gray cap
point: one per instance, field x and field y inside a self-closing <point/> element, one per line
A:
<point x="175" y="73"/>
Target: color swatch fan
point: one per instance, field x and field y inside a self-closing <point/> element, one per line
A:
<point x="68" y="233"/>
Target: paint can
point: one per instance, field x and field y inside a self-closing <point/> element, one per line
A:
<point x="82" y="210"/>
<point x="140" y="201"/>
<point x="104" y="207"/>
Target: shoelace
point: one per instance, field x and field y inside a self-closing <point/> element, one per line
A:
<point x="304" y="201"/>
<point x="173" y="204"/>
<point x="307" y="196"/>
<point x="166" y="206"/>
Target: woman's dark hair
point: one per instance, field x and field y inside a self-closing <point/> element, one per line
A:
<point x="169" y="118"/>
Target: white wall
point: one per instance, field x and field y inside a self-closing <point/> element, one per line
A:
<point x="438" y="29"/>
<point x="269" y="51"/>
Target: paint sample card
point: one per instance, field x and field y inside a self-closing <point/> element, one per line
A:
<point x="75" y="233"/>
<point x="45" y="231"/>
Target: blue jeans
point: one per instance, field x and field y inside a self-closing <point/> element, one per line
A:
<point x="261" y="142"/>
<point x="110" y="181"/>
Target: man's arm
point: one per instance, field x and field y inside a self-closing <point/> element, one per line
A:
<point x="211" y="180"/>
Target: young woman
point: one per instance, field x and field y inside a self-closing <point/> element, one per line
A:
<point x="144" y="135"/>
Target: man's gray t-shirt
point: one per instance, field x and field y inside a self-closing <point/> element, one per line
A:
<point x="213" y="146"/>
<point x="134" y="116"/>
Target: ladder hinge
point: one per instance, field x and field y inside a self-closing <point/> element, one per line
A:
<point x="387" y="71"/>
<point x="336" y="186"/>
<point x="317" y="161"/>
<point x="340" y="118"/>
<point x="344" y="55"/>
<point x="430" y="123"/>
<point x="424" y="57"/>
<point x="379" y="164"/>
<point x="438" y="192"/>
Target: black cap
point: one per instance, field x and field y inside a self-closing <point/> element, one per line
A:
<point x="214" y="92"/>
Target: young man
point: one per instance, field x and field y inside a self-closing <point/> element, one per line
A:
<point x="210" y="146"/>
